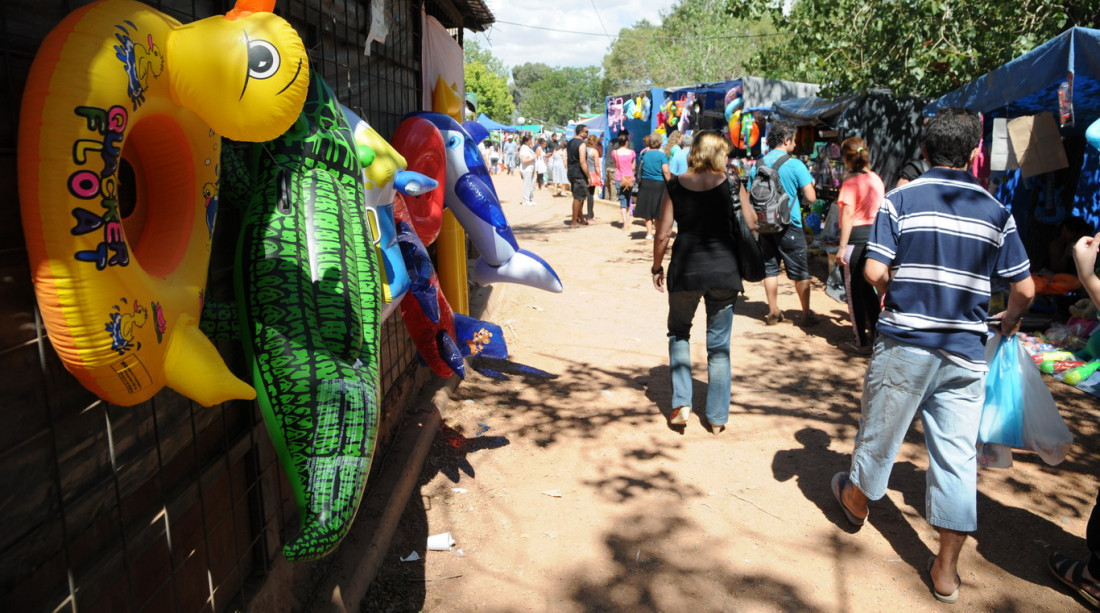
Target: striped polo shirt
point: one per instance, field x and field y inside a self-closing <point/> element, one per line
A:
<point x="944" y="238"/>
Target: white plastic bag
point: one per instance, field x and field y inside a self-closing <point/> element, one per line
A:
<point x="1044" y="431"/>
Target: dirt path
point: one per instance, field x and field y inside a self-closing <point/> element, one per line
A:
<point x="566" y="490"/>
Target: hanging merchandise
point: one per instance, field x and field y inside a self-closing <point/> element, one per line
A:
<point x="615" y="114"/>
<point x="733" y="123"/>
<point x="121" y="129"/>
<point x="731" y="94"/>
<point x="1065" y="101"/>
<point x="630" y="109"/>
<point x="732" y="107"/>
<point x="645" y="108"/>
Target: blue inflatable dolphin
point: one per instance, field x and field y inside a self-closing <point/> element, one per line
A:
<point x="470" y="195"/>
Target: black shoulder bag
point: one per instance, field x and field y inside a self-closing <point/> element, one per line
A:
<point x="750" y="259"/>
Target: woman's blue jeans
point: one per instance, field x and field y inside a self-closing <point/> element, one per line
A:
<point x="681" y="310"/>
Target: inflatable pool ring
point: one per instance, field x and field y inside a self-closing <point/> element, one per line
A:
<point x="734" y="126"/>
<point x="1092" y="134"/>
<point x="731" y="107"/>
<point x="744" y="131"/>
<point x="118" y="177"/>
<point x="309" y="302"/>
<point x="381" y="164"/>
<point x="421" y="144"/>
<point x="469" y="194"/>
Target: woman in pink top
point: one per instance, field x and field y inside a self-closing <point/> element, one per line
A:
<point x="624" y="156"/>
<point x="860" y="196"/>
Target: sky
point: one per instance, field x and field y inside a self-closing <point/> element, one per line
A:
<point x="515" y="45"/>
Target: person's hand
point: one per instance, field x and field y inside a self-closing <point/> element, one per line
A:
<point x="1084" y="254"/>
<point x="659" y="279"/>
<point x="842" y="255"/>
<point x="1008" y="326"/>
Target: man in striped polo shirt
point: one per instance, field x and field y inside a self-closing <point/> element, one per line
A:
<point x="934" y="248"/>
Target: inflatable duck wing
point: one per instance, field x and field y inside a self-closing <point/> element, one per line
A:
<point x="309" y="300"/>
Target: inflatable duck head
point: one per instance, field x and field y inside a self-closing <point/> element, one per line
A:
<point x="244" y="73"/>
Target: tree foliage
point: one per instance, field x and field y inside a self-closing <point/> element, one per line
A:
<point x="921" y="47"/>
<point x="487" y="77"/>
<point x="524" y="75"/>
<point x="560" y="94"/>
<point x="697" y="42"/>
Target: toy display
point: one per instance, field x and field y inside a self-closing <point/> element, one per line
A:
<point x="309" y="301"/>
<point x="382" y="165"/>
<point x="121" y="125"/>
<point x="470" y="195"/>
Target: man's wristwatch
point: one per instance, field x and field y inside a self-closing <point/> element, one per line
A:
<point x="658" y="270"/>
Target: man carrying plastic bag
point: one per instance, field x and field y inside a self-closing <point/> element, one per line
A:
<point x="934" y="246"/>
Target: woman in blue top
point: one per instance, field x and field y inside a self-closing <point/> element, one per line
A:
<point x="653" y="164"/>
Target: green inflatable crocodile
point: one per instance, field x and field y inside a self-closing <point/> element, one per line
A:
<point x="308" y="304"/>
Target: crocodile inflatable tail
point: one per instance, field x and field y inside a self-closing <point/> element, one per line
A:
<point x="308" y="293"/>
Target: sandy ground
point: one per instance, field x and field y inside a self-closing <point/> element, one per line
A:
<point x="566" y="490"/>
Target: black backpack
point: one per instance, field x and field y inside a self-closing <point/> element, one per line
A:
<point x="769" y="199"/>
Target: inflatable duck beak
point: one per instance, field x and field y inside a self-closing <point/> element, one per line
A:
<point x="193" y="367"/>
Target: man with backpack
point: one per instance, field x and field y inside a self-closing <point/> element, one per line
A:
<point x="780" y="219"/>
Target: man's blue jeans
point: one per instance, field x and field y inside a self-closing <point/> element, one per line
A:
<point x="681" y="310"/>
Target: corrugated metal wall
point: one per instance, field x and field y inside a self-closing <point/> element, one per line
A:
<point x="165" y="506"/>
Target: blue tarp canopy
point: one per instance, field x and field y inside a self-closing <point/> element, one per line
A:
<point x="1028" y="85"/>
<point x="491" y="125"/>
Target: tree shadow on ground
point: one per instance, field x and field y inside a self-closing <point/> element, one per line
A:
<point x="654" y="567"/>
<point x="1014" y="540"/>
<point x="582" y="399"/>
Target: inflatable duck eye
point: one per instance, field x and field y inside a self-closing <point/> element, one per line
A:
<point x="454" y="142"/>
<point x="263" y="59"/>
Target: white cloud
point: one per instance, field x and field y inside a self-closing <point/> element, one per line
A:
<point x="516" y="45"/>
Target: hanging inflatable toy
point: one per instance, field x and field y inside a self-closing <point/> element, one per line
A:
<point x="470" y="195"/>
<point x="442" y="337"/>
<point x="1092" y="134"/>
<point x="118" y="176"/>
<point x="734" y="126"/>
<point x="644" y="116"/>
<point x="630" y="109"/>
<point x="420" y="142"/>
<point x="615" y="114"/>
<point x="731" y="107"/>
<point x="744" y="131"/>
<point x="381" y="166"/>
<point x="308" y="301"/>
<point x="731" y="94"/>
<point x="685" y="113"/>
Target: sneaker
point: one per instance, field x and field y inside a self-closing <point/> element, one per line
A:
<point x="679" y="416"/>
<point x="649" y="237"/>
<point x="773" y="318"/>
